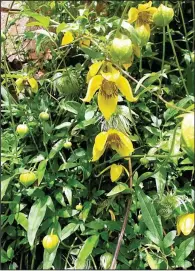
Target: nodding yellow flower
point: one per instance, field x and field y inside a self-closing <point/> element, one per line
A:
<point x="108" y="84"/>
<point x="32" y="82"/>
<point x="85" y="43"/>
<point x="115" y="171"/>
<point x="113" y="139"/>
<point x="68" y="38"/>
<point x="143" y="16"/>
<point x="185" y="223"/>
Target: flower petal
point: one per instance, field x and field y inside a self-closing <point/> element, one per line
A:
<point x="152" y="10"/>
<point x="112" y="74"/>
<point x="143" y="7"/>
<point x="187" y="224"/>
<point x="107" y="105"/>
<point x="95" y="67"/>
<point x="125" y="148"/>
<point x="125" y="88"/>
<point x="132" y="15"/>
<point x="94" y="85"/>
<point x="19" y="84"/>
<point x="136" y="50"/>
<point x="99" y="146"/>
<point x="115" y="172"/>
<point x="33" y="84"/>
<point x="68" y="38"/>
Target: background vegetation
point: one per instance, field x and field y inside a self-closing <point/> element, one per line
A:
<point x="162" y="181"/>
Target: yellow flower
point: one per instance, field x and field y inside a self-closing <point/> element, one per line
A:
<point x="185" y="223"/>
<point x="32" y="82"/>
<point x="68" y="38"/>
<point x="113" y="139"/>
<point x="85" y="43"/>
<point x="108" y="84"/>
<point x="115" y="171"/>
<point x="143" y="16"/>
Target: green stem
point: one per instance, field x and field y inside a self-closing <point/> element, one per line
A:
<point x="122" y="17"/>
<point x="140" y="63"/>
<point x="184" y="27"/>
<point x="176" y="59"/>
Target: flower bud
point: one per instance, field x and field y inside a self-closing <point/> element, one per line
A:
<point x="143" y="33"/>
<point x="163" y="16"/>
<point x="3" y="37"/>
<point x="121" y="49"/>
<point x="67" y="145"/>
<point x="187" y="135"/>
<point x="106" y="260"/>
<point x="27" y="178"/>
<point x="50" y="242"/>
<point x="44" y="116"/>
<point x="144" y="161"/>
<point x="22" y="129"/>
<point x="79" y="207"/>
<point x="185" y="224"/>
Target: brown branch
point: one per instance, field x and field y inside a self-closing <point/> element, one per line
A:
<point x="120" y="238"/>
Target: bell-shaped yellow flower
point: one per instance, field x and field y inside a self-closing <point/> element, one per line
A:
<point x="115" y="171"/>
<point x="185" y="224"/>
<point x="143" y="16"/>
<point x="68" y="38"/>
<point x="108" y="84"/>
<point x="113" y="139"/>
<point x="85" y="42"/>
<point x="32" y="82"/>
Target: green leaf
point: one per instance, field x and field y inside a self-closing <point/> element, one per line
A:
<point x="4" y="257"/>
<point x="41" y="170"/>
<point x="149" y="216"/>
<point x="60" y="27"/>
<point x="65" y="213"/>
<point x="36" y="215"/>
<point x="171" y="112"/>
<point x="169" y="239"/>
<point x="92" y="53"/>
<point x="85" y="251"/>
<point x="86" y="208"/>
<point x="68" y="230"/>
<point x="160" y="178"/>
<point x="144" y="176"/>
<point x="4" y="185"/>
<point x="44" y="20"/>
<point x="71" y="106"/>
<point x="121" y="187"/>
<point x="96" y="225"/>
<point x="59" y="197"/>
<point x="22" y="220"/>
<point x="68" y="192"/>
<point x="67" y="166"/>
<point x="184" y="250"/>
<point x="48" y="258"/>
<point x="151" y="261"/>
<point x="56" y="148"/>
<point x="133" y="34"/>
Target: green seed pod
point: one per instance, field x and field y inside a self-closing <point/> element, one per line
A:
<point x="106" y="260"/>
<point x="27" y="178"/>
<point x="187" y="135"/>
<point x="121" y="49"/>
<point x="50" y="242"/>
<point x="79" y="207"/>
<point x="163" y="16"/>
<point x="67" y="145"/>
<point x="44" y="116"/>
<point x="144" y="161"/>
<point x="22" y="129"/>
<point x="143" y="33"/>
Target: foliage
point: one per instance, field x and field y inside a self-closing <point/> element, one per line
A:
<point x="72" y="196"/>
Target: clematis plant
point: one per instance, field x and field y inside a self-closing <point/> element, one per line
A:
<point x="115" y="171"/>
<point x="108" y="83"/>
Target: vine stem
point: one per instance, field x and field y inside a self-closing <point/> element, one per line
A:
<point x="122" y="17"/>
<point x="176" y="59"/>
<point x="120" y="238"/>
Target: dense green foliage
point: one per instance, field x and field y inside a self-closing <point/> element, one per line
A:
<point x="69" y="196"/>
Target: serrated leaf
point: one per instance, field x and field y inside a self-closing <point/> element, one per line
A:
<point x="85" y="251"/>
